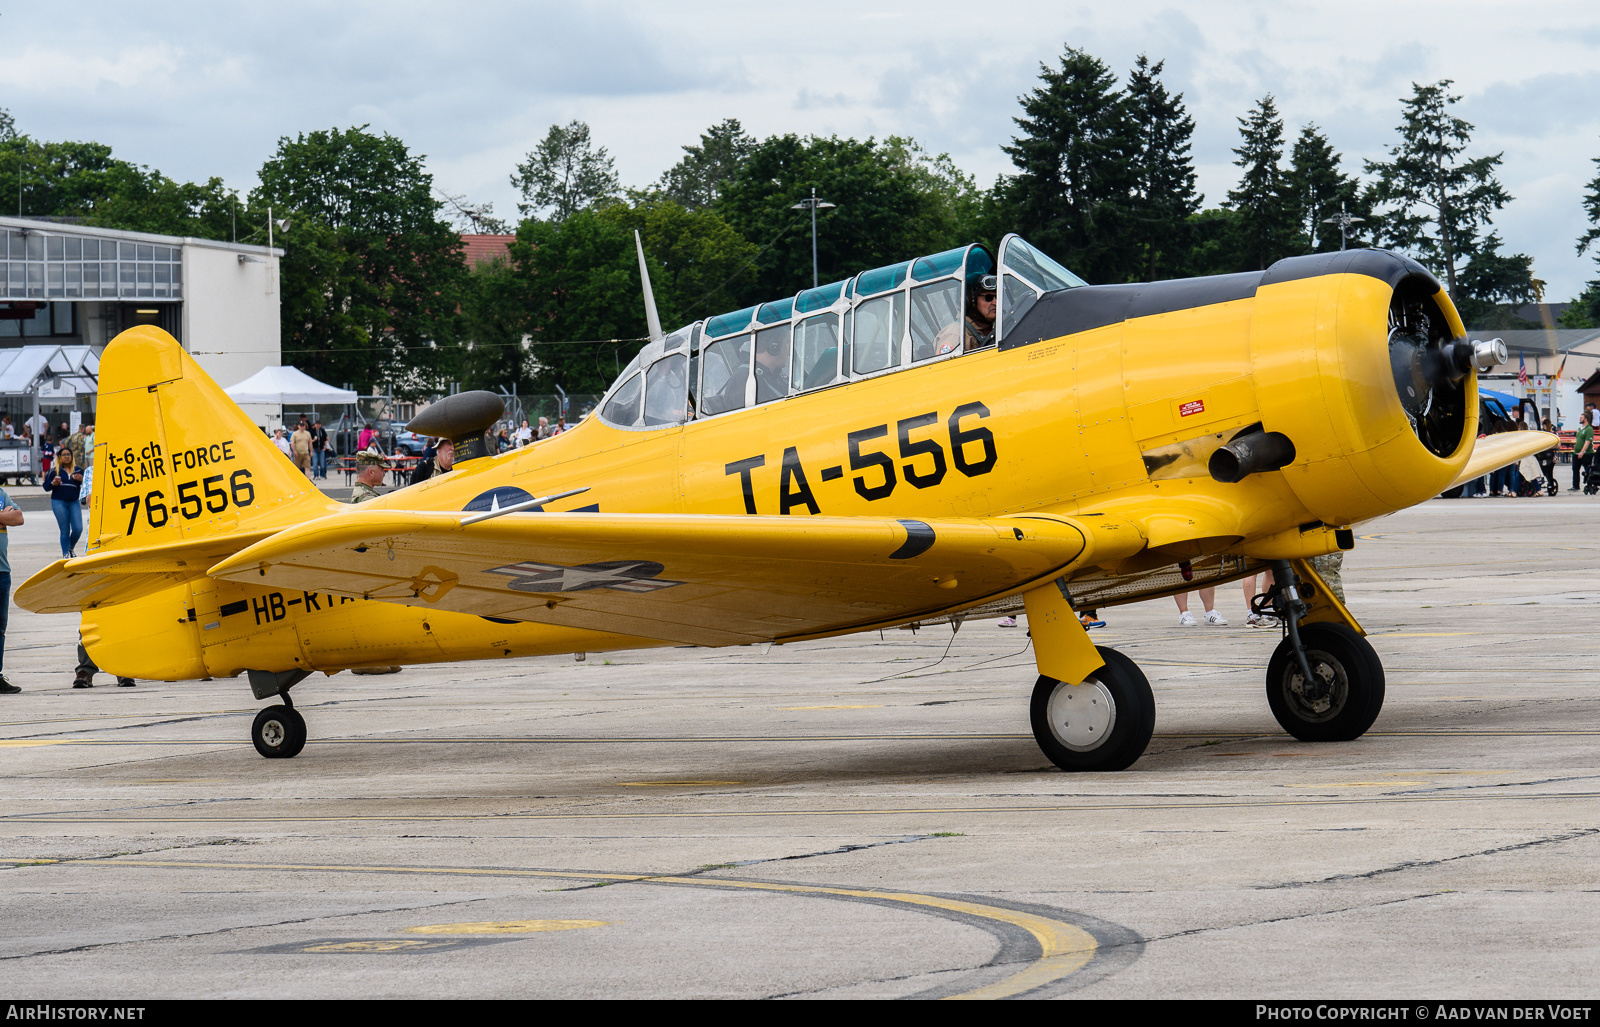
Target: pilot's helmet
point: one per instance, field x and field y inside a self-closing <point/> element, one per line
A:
<point x="979" y="282"/>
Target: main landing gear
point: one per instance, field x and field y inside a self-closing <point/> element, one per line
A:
<point x="279" y="732"/>
<point x="1104" y="723"/>
<point x="1324" y="684"/>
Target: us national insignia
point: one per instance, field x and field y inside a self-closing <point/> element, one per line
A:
<point x="617" y="575"/>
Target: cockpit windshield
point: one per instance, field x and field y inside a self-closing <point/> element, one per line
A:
<point x="878" y="322"/>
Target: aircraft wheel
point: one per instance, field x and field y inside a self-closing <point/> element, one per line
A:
<point x="279" y="732"/>
<point x="1346" y="695"/>
<point x="1103" y="723"/>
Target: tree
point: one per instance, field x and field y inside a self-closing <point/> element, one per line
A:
<point x="882" y="215"/>
<point x="698" y="179"/>
<point x="582" y="282"/>
<point x="372" y="279"/>
<point x="495" y="311"/>
<point x="1074" y="168"/>
<point x="1317" y="190"/>
<point x="698" y="263"/>
<point x="1163" y="194"/>
<point x="954" y="202"/>
<point x="1436" y="200"/>
<point x="1584" y="312"/>
<point x="473" y="218"/>
<point x="565" y="173"/>
<point x="8" y="125"/>
<point x="85" y="181"/>
<point x="1266" y="222"/>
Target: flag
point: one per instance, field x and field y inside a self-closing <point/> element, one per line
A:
<point x="1522" y="369"/>
<point x="1562" y="368"/>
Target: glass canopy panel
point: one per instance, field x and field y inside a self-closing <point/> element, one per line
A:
<point x="940" y="264"/>
<point x="816" y="352"/>
<point x="772" y="364"/>
<point x="935" y="318"/>
<point x="666" y="391"/>
<point x="727" y="369"/>
<point x="1016" y="298"/>
<point x="727" y="324"/>
<point x="869" y="282"/>
<point x="676" y="340"/>
<point x="819" y="298"/>
<point x="623" y="407"/>
<point x="777" y="310"/>
<point x="1037" y="268"/>
<point x="879" y="325"/>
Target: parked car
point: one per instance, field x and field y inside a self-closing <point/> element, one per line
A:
<point x="409" y="442"/>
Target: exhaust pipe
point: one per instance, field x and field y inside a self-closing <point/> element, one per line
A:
<point x="1251" y="454"/>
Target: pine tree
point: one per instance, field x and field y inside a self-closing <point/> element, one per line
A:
<point x="1591" y="206"/>
<point x="1437" y="201"/>
<point x="698" y="179"/>
<point x="1164" y="195"/>
<point x="1318" y="190"/>
<point x="1585" y="309"/>
<point x="1266" y="220"/>
<point x="1075" y="174"/>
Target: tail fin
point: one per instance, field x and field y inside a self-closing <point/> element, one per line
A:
<point x="176" y="460"/>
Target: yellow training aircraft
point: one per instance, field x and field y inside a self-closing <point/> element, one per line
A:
<point x="829" y="463"/>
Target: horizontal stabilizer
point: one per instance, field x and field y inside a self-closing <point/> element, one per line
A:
<point x="119" y="576"/>
<point x="694" y="579"/>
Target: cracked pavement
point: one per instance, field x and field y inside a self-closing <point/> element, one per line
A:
<point x="659" y="811"/>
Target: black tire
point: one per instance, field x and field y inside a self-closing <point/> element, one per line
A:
<point x="1454" y="493"/>
<point x="279" y="732"/>
<point x="1352" y="688"/>
<point x="1113" y="734"/>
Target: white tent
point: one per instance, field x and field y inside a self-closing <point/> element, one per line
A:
<point x="287" y="385"/>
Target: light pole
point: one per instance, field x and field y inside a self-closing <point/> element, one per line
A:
<point x="814" y="204"/>
<point x="1344" y="221"/>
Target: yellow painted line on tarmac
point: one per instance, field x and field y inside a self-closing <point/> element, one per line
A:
<point x="939" y="811"/>
<point x="508" y="927"/>
<point x="27" y="743"/>
<point x="1064" y="947"/>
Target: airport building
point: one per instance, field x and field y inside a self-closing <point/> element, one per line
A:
<point x="66" y="290"/>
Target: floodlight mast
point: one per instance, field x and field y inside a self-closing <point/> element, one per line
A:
<point x="813" y="204"/>
<point x="1344" y="221"/>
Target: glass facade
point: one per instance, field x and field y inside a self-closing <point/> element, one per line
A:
<point x="44" y="265"/>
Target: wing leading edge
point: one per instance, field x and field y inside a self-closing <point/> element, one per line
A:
<point x="691" y="579"/>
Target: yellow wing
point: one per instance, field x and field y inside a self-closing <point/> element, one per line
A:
<point x="694" y="579"/>
<point x="1493" y="452"/>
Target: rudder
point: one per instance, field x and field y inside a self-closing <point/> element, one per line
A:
<point x="176" y="459"/>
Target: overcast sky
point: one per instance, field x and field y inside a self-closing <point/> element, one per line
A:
<point x="201" y="89"/>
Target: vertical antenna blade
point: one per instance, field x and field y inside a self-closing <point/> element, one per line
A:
<point x="651" y="318"/>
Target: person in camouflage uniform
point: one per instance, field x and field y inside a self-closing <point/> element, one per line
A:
<point x="1329" y="567"/>
<point x="372" y="468"/>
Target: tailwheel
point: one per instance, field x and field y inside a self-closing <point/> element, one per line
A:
<point x="1345" y="692"/>
<point x="1102" y="723"/>
<point x="279" y="732"/>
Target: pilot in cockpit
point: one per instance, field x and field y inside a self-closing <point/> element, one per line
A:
<point x="978" y="329"/>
